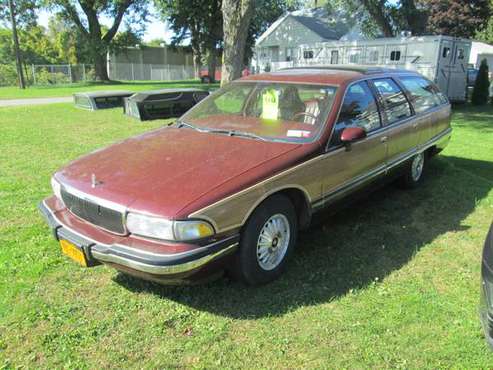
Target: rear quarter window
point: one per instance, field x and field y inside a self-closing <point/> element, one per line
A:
<point x="424" y="95"/>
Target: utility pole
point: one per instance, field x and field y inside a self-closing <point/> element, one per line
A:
<point x="20" y="73"/>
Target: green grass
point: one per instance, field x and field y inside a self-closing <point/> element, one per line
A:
<point x="12" y="92"/>
<point x="392" y="282"/>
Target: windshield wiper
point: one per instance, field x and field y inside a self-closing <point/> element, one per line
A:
<point x="236" y="133"/>
<point x="181" y="124"/>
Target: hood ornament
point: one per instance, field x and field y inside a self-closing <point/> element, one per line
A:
<point x="95" y="182"/>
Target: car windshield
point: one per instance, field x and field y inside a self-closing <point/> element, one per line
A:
<point x="264" y="111"/>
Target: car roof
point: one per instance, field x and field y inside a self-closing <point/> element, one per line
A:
<point x="331" y="75"/>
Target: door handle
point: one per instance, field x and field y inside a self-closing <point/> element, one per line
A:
<point x="383" y="139"/>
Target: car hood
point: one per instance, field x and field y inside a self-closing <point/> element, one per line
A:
<point x="164" y="171"/>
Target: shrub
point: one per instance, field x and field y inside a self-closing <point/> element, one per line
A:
<point x="480" y="93"/>
<point x="8" y="75"/>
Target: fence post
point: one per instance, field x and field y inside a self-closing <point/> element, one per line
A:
<point x="133" y="76"/>
<point x="34" y="74"/>
<point x="83" y="72"/>
<point x="70" y="73"/>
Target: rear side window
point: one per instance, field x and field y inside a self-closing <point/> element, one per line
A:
<point x="359" y="109"/>
<point x="424" y="95"/>
<point x="395" y="104"/>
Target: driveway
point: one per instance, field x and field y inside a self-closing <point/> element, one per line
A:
<point x="37" y="101"/>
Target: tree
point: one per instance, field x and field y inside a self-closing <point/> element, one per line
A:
<point x="85" y="16"/>
<point x="237" y="15"/>
<point x="15" y="39"/>
<point x="389" y="17"/>
<point x="458" y="17"/>
<point x="480" y="93"/>
<point x="200" y="21"/>
<point x="25" y="13"/>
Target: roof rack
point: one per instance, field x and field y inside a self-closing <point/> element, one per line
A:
<point x="355" y="68"/>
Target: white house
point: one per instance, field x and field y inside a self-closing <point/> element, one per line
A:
<point x="480" y="51"/>
<point x="309" y="26"/>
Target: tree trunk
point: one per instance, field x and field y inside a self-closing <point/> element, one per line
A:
<point x="101" y="68"/>
<point x="15" y="39"/>
<point x="237" y="15"/>
<point x="99" y="57"/>
<point x="197" y="58"/>
<point x="211" y="64"/>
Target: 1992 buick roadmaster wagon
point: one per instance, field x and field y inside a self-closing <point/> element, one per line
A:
<point x="233" y="180"/>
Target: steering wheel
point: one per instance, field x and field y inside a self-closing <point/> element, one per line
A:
<point x="299" y="114"/>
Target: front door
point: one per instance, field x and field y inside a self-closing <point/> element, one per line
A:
<point x="348" y="168"/>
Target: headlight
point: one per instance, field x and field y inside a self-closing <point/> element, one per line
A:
<point x="57" y="188"/>
<point x="161" y="228"/>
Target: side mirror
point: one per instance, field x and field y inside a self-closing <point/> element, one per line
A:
<point x="351" y="134"/>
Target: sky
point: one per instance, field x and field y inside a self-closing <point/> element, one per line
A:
<point x="156" y="29"/>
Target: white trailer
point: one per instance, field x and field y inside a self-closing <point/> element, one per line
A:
<point x="443" y="59"/>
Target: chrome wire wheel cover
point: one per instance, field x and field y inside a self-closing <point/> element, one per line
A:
<point x="273" y="242"/>
<point x="417" y="166"/>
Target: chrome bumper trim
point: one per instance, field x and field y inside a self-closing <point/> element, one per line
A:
<point x="159" y="269"/>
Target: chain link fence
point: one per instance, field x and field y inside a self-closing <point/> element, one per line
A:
<point x="58" y="74"/>
<point x="150" y="72"/>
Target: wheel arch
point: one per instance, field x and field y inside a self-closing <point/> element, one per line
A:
<point x="298" y="196"/>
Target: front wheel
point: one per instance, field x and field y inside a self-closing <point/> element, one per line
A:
<point x="414" y="171"/>
<point x="266" y="241"/>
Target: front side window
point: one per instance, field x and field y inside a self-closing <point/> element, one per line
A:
<point x="359" y="109"/>
<point x="395" y="55"/>
<point x="271" y="111"/>
<point x="395" y="104"/>
<point x="445" y="52"/>
<point x="424" y="95"/>
<point x="308" y="54"/>
<point x="460" y="54"/>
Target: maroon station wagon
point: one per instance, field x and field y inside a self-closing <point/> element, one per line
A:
<point x="228" y="186"/>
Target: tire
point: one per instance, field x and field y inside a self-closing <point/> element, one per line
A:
<point x="260" y="261"/>
<point x="414" y="171"/>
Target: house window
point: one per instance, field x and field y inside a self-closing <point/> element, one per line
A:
<point x="334" y="57"/>
<point x="373" y="57"/>
<point x="308" y="54"/>
<point x="395" y="55"/>
<point x="445" y="52"/>
<point x="354" y="58"/>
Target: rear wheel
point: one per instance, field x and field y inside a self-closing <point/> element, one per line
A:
<point x="266" y="241"/>
<point x="414" y="171"/>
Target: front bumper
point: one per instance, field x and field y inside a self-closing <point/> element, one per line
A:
<point x="153" y="265"/>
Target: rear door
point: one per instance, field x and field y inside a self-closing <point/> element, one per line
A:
<point x="425" y="97"/>
<point x="347" y="169"/>
<point x="398" y="119"/>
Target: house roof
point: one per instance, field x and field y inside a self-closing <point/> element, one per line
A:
<point x="319" y="27"/>
<point x="317" y="20"/>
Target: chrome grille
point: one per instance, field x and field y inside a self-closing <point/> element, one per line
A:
<point x="104" y="217"/>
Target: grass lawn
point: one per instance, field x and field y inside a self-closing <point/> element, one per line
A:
<point x="13" y="92"/>
<point x="389" y="283"/>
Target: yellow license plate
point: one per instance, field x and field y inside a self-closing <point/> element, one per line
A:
<point x="73" y="252"/>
